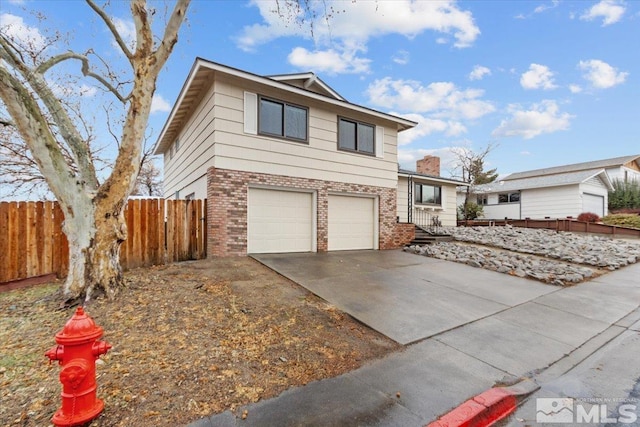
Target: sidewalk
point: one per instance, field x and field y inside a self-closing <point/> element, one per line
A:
<point x="542" y="338"/>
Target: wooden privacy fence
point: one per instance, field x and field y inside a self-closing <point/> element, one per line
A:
<point x="570" y="225"/>
<point x="159" y="231"/>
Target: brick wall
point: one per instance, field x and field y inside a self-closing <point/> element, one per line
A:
<point x="227" y="208"/>
<point x="429" y="165"/>
<point x="404" y="234"/>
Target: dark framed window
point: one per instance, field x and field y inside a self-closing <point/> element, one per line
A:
<point x="509" y="197"/>
<point x="482" y="199"/>
<point x="278" y="118"/>
<point x="426" y="194"/>
<point x="356" y="136"/>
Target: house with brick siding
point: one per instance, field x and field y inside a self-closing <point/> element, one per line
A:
<point x="288" y="165"/>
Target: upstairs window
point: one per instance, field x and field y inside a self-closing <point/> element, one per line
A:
<point x="425" y="194"/>
<point x="277" y="118"/>
<point x="356" y="136"/>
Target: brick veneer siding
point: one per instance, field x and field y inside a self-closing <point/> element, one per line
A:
<point x="227" y="208"/>
<point x="404" y="234"/>
<point x="429" y="165"/>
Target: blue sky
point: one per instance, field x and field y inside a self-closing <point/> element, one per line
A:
<point x="549" y="82"/>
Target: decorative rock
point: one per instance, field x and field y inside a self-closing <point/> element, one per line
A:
<point x="533" y="253"/>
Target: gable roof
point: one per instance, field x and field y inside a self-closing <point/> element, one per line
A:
<point x="308" y="81"/>
<point x="543" y="181"/>
<point x="597" y="164"/>
<point x="200" y="78"/>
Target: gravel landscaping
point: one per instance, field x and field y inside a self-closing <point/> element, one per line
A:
<point x="557" y="258"/>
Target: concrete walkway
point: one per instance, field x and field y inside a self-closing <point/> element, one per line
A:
<point x="470" y="328"/>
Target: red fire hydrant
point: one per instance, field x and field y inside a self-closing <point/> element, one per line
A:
<point x="77" y="350"/>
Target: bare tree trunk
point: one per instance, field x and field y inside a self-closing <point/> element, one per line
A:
<point x="95" y="233"/>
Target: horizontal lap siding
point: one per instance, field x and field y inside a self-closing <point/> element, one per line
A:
<point x="554" y="202"/>
<point x="319" y="159"/>
<point x="447" y="216"/>
<point x="196" y="149"/>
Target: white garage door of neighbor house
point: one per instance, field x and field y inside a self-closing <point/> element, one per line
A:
<point x="279" y="221"/>
<point x="351" y="223"/>
<point x="593" y="203"/>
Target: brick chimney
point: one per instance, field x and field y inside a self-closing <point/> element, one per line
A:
<point x="430" y="165"/>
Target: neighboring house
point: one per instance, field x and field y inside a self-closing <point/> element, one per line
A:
<point x="286" y="163"/>
<point x="625" y="168"/>
<point x="557" y="192"/>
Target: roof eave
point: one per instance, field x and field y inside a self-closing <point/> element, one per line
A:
<point x="160" y="145"/>
<point x="408" y="174"/>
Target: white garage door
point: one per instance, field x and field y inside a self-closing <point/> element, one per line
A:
<point x="279" y="221"/>
<point x="593" y="203"/>
<point x="351" y="223"/>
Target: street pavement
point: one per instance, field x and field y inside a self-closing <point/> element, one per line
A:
<point x="465" y="330"/>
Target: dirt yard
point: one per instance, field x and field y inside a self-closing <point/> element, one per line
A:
<point x="189" y="340"/>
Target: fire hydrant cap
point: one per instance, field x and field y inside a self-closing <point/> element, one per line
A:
<point x="80" y="328"/>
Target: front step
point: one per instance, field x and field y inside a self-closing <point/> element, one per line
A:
<point x="423" y="237"/>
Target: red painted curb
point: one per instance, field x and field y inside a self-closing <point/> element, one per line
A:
<point x="482" y="410"/>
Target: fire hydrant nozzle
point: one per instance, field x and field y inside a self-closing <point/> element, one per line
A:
<point x="77" y="350"/>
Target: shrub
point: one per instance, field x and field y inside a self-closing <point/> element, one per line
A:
<point x="625" y="195"/>
<point x="588" y="217"/>
<point x="623" y="220"/>
<point x="474" y="210"/>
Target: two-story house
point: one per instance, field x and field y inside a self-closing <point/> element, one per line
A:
<point x="286" y="163"/>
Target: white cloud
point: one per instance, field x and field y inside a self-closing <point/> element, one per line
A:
<point x="427" y="126"/>
<point x="610" y="11"/>
<point x="401" y="57"/>
<point x="538" y="77"/>
<point x="127" y="31"/>
<point x="405" y="17"/>
<point x="442" y="99"/>
<point x="159" y="104"/>
<point x="16" y="29"/>
<point x="543" y="117"/>
<point x="600" y="74"/>
<point x="479" y="72"/>
<point x="525" y="153"/>
<point x="546" y="6"/>
<point x="575" y="88"/>
<point x="329" y="61"/>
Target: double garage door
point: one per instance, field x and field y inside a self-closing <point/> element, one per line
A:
<point x="284" y="221"/>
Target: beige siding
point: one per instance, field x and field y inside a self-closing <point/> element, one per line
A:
<point x="214" y="136"/>
<point x="446" y="214"/>
<point x="189" y="164"/>
<point x="554" y="202"/>
<point x="403" y="201"/>
<point x="319" y="159"/>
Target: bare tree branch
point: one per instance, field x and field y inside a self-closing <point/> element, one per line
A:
<point x="79" y="148"/>
<point x="45" y="66"/>
<point x="107" y="20"/>
<point x="44" y="147"/>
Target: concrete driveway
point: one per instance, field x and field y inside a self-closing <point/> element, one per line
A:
<point x="403" y="296"/>
<point x="480" y="327"/>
